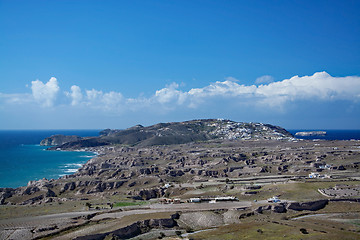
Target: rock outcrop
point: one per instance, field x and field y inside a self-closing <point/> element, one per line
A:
<point x="135" y="229"/>
<point x="5" y="193"/>
<point x="56" y="140"/>
<point x="309" y="206"/>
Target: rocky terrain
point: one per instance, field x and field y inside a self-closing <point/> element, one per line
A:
<point x="230" y="168"/>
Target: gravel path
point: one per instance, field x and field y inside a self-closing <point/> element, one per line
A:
<point x="176" y="207"/>
<point x="28" y="222"/>
<point x="25" y="228"/>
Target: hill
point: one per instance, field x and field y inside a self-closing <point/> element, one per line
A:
<point x="182" y="132"/>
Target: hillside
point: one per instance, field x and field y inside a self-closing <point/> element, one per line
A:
<point x="182" y="132"/>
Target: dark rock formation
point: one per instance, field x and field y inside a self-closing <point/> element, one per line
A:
<point x="310" y="206"/>
<point x="50" y="193"/>
<point x="33" y="200"/>
<point x="280" y="208"/>
<point x="134" y="229"/>
<point x="5" y="193"/>
<point x="161" y="223"/>
<point x="30" y="190"/>
<point x="261" y="209"/>
<point x="147" y="194"/>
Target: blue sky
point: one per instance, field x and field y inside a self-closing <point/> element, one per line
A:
<point x="115" y="64"/>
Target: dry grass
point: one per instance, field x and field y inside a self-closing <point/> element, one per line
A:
<point x="341" y="221"/>
<point x="277" y="230"/>
<point x="8" y="211"/>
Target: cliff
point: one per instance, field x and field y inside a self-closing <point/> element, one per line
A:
<point x="57" y="140"/>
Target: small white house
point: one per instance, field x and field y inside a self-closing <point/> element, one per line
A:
<point x="314" y="175"/>
<point x="273" y="199"/>
<point x="195" y="200"/>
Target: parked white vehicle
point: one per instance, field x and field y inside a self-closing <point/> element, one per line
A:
<point x="274" y="199"/>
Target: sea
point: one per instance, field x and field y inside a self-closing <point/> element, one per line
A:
<point x="330" y="134"/>
<point x="22" y="159"/>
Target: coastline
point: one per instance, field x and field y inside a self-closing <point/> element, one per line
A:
<point x="71" y="171"/>
<point x="33" y="162"/>
<point x="22" y="155"/>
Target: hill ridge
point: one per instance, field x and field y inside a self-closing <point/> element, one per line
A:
<point x="181" y="132"/>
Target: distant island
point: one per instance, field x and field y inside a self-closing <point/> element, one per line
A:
<point x="311" y="133"/>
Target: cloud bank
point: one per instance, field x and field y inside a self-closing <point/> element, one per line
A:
<point x="319" y="87"/>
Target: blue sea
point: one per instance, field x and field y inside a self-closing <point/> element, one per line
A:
<point x="331" y="134"/>
<point x="22" y="159"/>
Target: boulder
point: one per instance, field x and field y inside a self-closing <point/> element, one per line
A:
<point x="5" y="193"/>
<point x="30" y="190"/>
<point x="68" y="186"/>
<point x="176" y="173"/>
<point x="50" y="193"/>
<point x="149" y="193"/>
<point x="280" y="208"/>
<point x="160" y="223"/>
<point x="33" y="200"/>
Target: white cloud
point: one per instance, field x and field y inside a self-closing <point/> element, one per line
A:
<point x="45" y="94"/>
<point x="112" y="100"/>
<point x="264" y="79"/>
<point x="107" y="101"/>
<point x="75" y="95"/>
<point x="16" y="98"/>
<point x="93" y="95"/>
<point x="170" y="94"/>
<point x="227" y="88"/>
<point x="321" y="87"/>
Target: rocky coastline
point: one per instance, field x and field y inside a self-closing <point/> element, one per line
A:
<point x="59" y="139"/>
